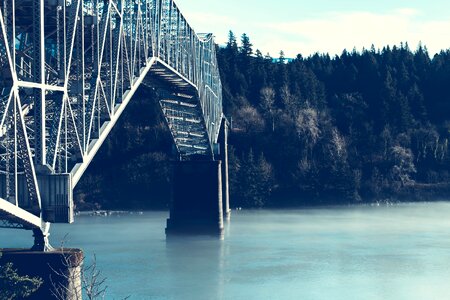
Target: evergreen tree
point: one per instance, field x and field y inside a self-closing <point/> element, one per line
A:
<point x="246" y="47"/>
<point x="232" y="43"/>
<point x="256" y="180"/>
<point x="282" y="58"/>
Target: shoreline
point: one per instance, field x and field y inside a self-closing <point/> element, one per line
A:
<point x="119" y="212"/>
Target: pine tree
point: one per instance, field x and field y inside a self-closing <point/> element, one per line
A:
<point x="232" y="43"/>
<point x="256" y="180"/>
<point x="282" y="58"/>
<point x="246" y="47"/>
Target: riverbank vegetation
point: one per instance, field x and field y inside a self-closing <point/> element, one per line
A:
<point x="358" y="127"/>
<point x="14" y="286"/>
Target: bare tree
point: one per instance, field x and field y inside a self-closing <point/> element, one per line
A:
<point x="307" y="124"/>
<point x="403" y="166"/>
<point x="94" y="284"/>
<point x="338" y="145"/>
<point x="289" y="101"/>
<point x="83" y="278"/>
<point x="66" y="284"/>
<point x="308" y="130"/>
<point x="267" y="95"/>
<point x="249" y="119"/>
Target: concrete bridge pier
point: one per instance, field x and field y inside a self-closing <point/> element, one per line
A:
<point x="200" y="193"/>
<point x="59" y="269"/>
<point x="196" y="199"/>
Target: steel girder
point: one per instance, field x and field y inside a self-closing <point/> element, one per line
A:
<point x="68" y="69"/>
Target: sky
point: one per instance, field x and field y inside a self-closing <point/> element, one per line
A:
<point x="324" y="26"/>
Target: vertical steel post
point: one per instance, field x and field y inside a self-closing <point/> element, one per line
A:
<point x="169" y="38"/>
<point x="39" y="78"/>
<point x="158" y="31"/>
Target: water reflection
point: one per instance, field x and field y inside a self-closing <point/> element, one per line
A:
<point x="196" y="263"/>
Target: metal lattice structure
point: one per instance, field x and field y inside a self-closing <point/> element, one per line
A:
<point x="68" y="69"/>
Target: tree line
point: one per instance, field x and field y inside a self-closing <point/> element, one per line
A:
<point x="363" y="126"/>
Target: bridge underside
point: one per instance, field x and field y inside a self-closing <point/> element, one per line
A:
<point x="180" y="104"/>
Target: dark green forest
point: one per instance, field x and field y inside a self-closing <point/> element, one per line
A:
<point x="363" y="126"/>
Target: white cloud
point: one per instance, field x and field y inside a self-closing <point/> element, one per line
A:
<point x="334" y="32"/>
<point x="201" y="20"/>
<point x="201" y="23"/>
<point x="408" y="11"/>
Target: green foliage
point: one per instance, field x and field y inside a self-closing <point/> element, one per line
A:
<point x="14" y="286"/>
<point x="256" y="181"/>
<point x="232" y="43"/>
<point x="246" y="48"/>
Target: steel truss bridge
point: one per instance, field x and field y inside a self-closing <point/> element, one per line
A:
<point x="68" y="69"/>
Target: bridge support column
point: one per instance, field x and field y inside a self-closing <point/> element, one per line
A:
<point x="223" y="156"/>
<point x="197" y="199"/>
<point x="60" y="271"/>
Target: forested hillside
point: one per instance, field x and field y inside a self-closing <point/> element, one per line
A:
<point x="358" y="127"/>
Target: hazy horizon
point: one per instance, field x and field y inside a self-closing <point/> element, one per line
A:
<point x="275" y="56"/>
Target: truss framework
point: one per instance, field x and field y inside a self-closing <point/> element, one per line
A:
<point x="68" y="69"/>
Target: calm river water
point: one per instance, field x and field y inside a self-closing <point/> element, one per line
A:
<point x="362" y="252"/>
